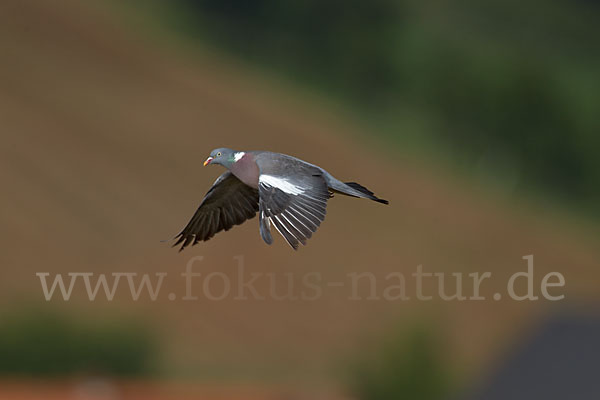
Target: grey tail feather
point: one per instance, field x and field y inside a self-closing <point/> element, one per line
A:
<point x="364" y="190"/>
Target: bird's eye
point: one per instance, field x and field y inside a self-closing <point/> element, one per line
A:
<point x="219" y="154"/>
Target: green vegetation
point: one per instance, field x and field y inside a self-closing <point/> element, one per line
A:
<point x="407" y="366"/>
<point x="509" y="87"/>
<point x="35" y="344"/>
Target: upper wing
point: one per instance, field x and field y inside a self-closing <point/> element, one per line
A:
<point x="229" y="202"/>
<point x="295" y="205"/>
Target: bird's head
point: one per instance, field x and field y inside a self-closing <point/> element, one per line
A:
<point x="222" y="156"/>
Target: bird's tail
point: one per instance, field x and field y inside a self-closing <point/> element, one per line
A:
<point x="366" y="192"/>
<point x="351" y="189"/>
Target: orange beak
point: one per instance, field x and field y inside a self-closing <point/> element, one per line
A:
<point x="208" y="160"/>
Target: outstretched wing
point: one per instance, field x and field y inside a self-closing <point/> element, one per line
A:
<point x="294" y="204"/>
<point x="229" y="202"/>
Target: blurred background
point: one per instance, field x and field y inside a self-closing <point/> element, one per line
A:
<point x="478" y="121"/>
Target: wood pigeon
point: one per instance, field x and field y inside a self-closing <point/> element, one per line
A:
<point x="285" y="191"/>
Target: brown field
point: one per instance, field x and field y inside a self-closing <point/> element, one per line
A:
<point x="100" y="390"/>
<point x="104" y="130"/>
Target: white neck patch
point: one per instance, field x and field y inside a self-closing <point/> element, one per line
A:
<point x="238" y="156"/>
<point x="281" y="184"/>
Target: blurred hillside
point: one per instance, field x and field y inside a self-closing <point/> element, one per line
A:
<point x="104" y="128"/>
<point x="507" y="89"/>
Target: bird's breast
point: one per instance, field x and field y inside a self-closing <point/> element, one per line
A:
<point x="246" y="170"/>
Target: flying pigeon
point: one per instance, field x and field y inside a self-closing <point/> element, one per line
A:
<point x="285" y="191"/>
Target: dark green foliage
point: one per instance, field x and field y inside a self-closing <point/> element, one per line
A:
<point x="489" y="78"/>
<point x="331" y="43"/>
<point x="35" y="344"/>
<point x="405" y="367"/>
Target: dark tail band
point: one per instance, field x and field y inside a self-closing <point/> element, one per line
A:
<point x="364" y="190"/>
